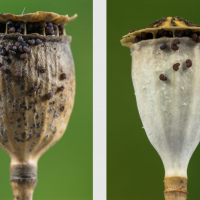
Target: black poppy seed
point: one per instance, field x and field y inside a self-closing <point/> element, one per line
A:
<point x="176" y="66"/>
<point x="20" y="48"/>
<point x="176" y="41"/>
<point x="17" y="24"/>
<point x="19" y="30"/>
<point x="8" y="47"/>
<point x="137" y="39"/>
<point x="178" y="33"/>
<point x="174" y="47"/>
<point x="9" y="23"/>
<point x="29" y="26"/>
<point x="63" y="76"/>
<point x="188" y="63"/>
<point x="18" y="74"/>
<point x="13" y="53"/>
<point x="38" y="41"/>
<point x="41" y="69"/>
<point x="23" y="135"/>
<point x="2" y="52"/>
<point x="188" y="32"/>
<point x="24" y="44"/>
<point x="49" y="24"/>
<point x="49" y="30"/>
<point x="49" y="95"/>
<point x="36" y="116"/>
<point x="163" y="46"/>
<point x="194" y="36"/>
<point x="31" y="42"/>
<point x="143" y="36"/>
<point x="14" y="48"/>
<point x="24" y="56"/>
<point x="5" y="58"/>
<point x="26" y="49"/>
<point x="17" y="44"/>
<point x="20" y="39"/>
<point x="61" y="27"/>
<point x="162" y="77"/>
<point x="55" y="27"/>
<point x="21" y="26"/>
<point x="61" y="88"/>
<point x="35" y="89"/>
<point x="43" y="24"/>
<point x="3" y="68"/>
<point x="62" y="108"/>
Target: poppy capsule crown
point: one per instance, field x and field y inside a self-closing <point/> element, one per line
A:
<point x="165" y="68"/>
<point x="37" y="89"/>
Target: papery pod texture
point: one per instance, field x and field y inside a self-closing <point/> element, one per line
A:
<point x="169" y="110"/>
<point x="32" y="121"/>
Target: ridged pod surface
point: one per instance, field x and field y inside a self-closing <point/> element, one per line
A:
<point x="30" y="123"/>
<point x="165" y="71"/>
<point x="37" y="89"/>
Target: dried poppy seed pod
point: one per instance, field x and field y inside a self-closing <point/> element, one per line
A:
<point x="167" y="90"/>
<point x="33" y="112"/>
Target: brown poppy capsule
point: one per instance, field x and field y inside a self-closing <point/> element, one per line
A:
<point x="162" y="77"/>
<point x="167" y="101"/>
<point x="26" y="142"/>
<point x="176" y="66"/>
<point x="188" y="63"/>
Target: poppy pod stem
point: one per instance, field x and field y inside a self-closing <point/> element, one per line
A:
<point x="23" y="179"/>
<point x="175" y="188"/>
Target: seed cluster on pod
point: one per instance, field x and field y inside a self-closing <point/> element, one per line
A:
<point x="37" y="91"/>
<point x="166" y="53"/>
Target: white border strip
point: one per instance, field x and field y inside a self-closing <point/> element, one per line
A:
<point x="99" y="99"/>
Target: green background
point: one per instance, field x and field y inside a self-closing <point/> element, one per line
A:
<point x="64" y="171"/>
<point x="134" y="169"/>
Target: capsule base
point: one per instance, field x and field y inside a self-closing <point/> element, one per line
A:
<point x="175" y="188"/>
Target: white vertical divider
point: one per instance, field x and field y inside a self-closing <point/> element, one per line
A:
<point x="99" y="99"/>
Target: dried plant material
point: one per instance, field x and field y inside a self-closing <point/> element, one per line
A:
<point x="165" y="68"/>
<point x="30" y="105"/>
